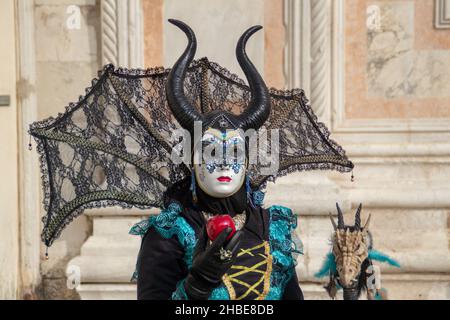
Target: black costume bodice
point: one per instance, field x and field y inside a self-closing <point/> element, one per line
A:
<point x="264" y="268"/>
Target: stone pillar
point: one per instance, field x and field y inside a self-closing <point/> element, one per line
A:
<point x="29" y="178"/>
<point x="9" y="218"/>
<point x="122" y="33"/>
<point x="308" y="51"/>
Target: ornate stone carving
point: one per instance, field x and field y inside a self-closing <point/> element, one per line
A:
<point x="297" y="50"/>
<point x="109" y="32"/>
<point x="122" y="33"/>
<point x="320" y="57"/>
<point x="308" y="51"/>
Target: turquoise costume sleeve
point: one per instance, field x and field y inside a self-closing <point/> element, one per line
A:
<point x="283" y="222"/>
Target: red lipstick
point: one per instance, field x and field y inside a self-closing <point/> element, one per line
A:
<point x="224" y="179"/>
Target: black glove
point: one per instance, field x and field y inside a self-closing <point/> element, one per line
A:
<point x="207" y="266"/>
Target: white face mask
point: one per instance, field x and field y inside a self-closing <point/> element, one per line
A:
<point x="221" y="171"/>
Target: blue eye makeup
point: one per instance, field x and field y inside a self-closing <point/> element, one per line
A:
<point x="211" y="167"/>
<point x="219" y="151"/>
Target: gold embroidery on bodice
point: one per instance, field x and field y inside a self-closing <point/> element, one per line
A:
<point x="235" y="280"/>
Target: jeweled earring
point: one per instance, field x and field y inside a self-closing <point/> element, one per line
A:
<point x="192" y="188"/>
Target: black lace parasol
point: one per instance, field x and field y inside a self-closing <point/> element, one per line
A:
<point x="113" y="146"/>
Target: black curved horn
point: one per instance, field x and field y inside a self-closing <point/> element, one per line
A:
<point x="258" y="109"/>
<point x="340" y="217"/>
<point x="182" y="109"/>
<point x="358" y="217"/>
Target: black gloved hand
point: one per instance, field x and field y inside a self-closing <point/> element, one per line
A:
<point x="207" y="267"/>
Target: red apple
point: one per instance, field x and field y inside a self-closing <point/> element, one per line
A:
<point x="219" y="223"/>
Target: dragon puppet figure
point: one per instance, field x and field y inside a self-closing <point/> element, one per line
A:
<point x="349" y="264"/>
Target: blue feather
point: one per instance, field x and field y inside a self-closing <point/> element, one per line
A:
<point x="378" y="256"/>
<point x="329" y="265"/>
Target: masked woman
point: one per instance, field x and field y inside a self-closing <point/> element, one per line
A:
<point x="177" y="260"/>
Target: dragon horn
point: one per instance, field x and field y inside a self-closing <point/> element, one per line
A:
<point x="358" y="217"/>
<point x="340" y="217"/>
